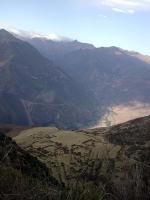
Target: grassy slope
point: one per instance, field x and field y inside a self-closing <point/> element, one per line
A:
<point x="48" y="143"/>
<point x="51" y="144"/>
<point x="117" y="157"/>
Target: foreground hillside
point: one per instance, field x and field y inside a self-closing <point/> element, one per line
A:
<point x="21" y="174"/>
<point x="24" y="177"/>
<point x="117" y="157"/>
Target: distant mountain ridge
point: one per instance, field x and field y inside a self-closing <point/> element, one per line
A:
<point x="55" y="49"/>
<point x="51" y="46"/>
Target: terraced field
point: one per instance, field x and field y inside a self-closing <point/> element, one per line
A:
<point x="106" y="154"/>
<point x="69" y="150"/>
<point x="117" y="157"/>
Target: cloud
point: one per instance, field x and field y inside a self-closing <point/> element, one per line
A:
<point x="122" y="6"/>
<point x="32" y="34"/>
<point x="102" y="16"/>
<point x="127" y="11"/>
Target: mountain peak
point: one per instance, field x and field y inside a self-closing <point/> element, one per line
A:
<point x="23" y="34"/>
<point x="5" y="35"/>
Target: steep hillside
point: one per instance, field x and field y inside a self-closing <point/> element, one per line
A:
<point x="21" y="173"/>
<point x="110" y="71"/>
<point x="34" y="91"/>
<point x="100" y="86"/>
<point x="11" y="155"/>
<point x="112" y="76"/>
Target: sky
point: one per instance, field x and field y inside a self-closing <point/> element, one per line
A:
<point x="122" y="23"/>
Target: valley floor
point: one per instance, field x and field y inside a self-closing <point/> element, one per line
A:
<point x="123" y="113"/>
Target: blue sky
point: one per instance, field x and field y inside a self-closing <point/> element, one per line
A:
<point x="122" y="23"/>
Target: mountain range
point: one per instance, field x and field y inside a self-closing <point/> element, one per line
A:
<point x="33" y="90"/>
<point x="117" y="80"/>
<point x="69" y="84"/>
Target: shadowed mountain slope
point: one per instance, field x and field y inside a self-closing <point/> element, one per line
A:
<point x="35" y="91"/>
<point x="54" y="50"/>
<point x="113" y="77"/>
<point x="110" y="74"/>
<point x="23" y="176"/>
<point x="11" y="155"/>
<point x="97" y="83"/>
